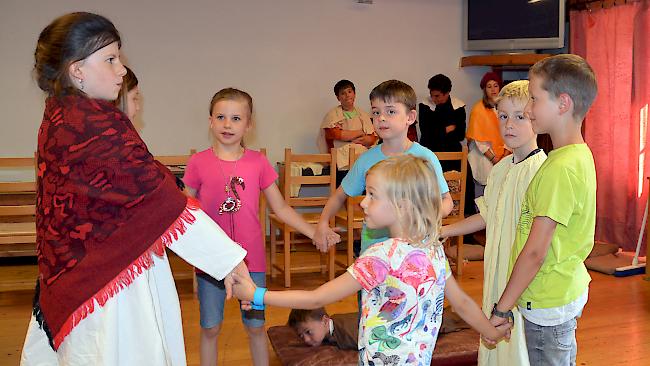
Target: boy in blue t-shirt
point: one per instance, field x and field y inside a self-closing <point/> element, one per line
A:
<point x="393" y="104"/>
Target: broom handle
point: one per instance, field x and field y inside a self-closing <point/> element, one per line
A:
<point x="635" y="260"/>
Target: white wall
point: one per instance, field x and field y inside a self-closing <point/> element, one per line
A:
<point x="286" y="53"/>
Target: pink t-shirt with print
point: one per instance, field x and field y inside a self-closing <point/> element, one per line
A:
<point x="207" y="174"/>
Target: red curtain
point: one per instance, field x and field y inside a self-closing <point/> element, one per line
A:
<point x="615" y="42"/>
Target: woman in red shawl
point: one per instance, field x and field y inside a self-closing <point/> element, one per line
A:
<point x="105" y="213"/>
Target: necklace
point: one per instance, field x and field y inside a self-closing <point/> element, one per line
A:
<point x="231" y="204"/>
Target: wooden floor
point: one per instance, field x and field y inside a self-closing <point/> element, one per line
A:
<point x="614" y="329"/>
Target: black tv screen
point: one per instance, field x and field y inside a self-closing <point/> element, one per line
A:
<point x="513" y="24"/>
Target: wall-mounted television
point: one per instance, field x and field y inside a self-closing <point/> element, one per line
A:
<point x="499" y="25"/>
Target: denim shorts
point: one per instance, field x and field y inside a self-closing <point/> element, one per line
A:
<point x="212" y="298"/>
<point x="552" y="346"/>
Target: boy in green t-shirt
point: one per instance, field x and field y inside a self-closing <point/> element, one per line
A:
<point x="548" y="279"/>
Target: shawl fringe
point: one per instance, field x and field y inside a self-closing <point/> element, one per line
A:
<point x="122" y="280"/>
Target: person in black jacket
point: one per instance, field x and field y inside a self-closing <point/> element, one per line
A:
<point x="441" y="119"/>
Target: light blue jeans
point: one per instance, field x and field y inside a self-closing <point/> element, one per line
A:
<point x="551" y="346"/>
<point x="212" y="299"/>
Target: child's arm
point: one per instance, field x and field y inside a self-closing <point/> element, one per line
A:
<point x="190" y="192"/>
<point x="332" y="291"/>
<point x="323" y="230"/>
<point x="528" y="263"/>
<point x="470" y="312"/>
<point x="337" y="133"/>
<point x="366" y="140"/>
<point x="447" y="204"/>
<point x="469" y="225"/>
<point x="287" y="214"/>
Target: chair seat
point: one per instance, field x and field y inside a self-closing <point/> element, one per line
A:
<point x="358" y="215"/>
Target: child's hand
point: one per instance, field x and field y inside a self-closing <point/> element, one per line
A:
<point x="228" y="280"/>
<point x="506" y="329"/>
<point x="324" y="237"/>
<point x="504" y="333"/>
<point x="243" y="288"/>
<point x="332" y="239"/>
<point x="502" y="327"/>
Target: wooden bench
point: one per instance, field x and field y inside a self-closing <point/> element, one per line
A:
<point x="17" y="210"/>
<point x="17" y="224"/>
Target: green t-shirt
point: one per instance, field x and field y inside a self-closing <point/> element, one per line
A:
<point x="564" y="190"/>
<point x="350" y="114"/>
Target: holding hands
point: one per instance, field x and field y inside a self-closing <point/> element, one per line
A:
<point x="503" y="326"/>
<point x="242" y="274"/>
<point x="324" y="237"/>
<point x="243" y="288"/>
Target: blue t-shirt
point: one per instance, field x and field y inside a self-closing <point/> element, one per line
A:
<point x="354" y="183"/>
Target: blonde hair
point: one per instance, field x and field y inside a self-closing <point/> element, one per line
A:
<point x="411" y="185"/>
<point x="515" y="90"/>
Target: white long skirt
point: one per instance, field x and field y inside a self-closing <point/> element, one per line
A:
<point x="141" y="324"/>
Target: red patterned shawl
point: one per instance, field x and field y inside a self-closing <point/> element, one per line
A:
<point x="103" y="204"/>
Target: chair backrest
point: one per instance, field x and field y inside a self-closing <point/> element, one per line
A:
<point x="175" y="163"/>
<point x="327" y="179"/>
<point x="353" y="202"/>
<point x="457" y="182"/>
<point x="175" y="160"/>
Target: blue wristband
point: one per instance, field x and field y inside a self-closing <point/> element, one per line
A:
<point x="258" y="299"/>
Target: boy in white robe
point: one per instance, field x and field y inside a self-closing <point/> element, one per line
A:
<point x="500" y="210"/>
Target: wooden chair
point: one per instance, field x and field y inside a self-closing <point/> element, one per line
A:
<point x="286" y="230"/>
<point x="351" y="218"/>
<point x="17" y="211"/>
<point x="457" y="182"/>
<point x="176" y="164"/>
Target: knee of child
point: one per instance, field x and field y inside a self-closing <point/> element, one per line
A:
<point x="212" y="332"/>
<point x="256" y="331"/>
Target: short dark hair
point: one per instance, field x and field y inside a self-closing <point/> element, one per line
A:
<point x="299" y="316"/>
<point x="68" y="39"/>
<point x="342" y="84"/>
<point x="569" y="74"/>
<point x="395" y="91"/>
<point x="440" y="83"/>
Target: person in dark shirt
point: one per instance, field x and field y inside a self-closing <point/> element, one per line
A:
<point x="441" y="119"/>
